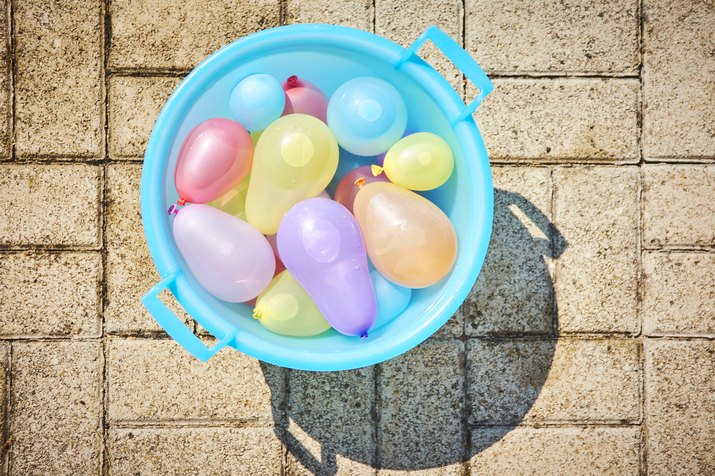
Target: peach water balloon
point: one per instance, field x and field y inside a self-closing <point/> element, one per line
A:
<point x="229" y="257"/>
<point x="409" y="239"/>
<point x="420" y="161"/>
<point x="256" y="101"/>
<point x="321" y="245"/>
<point x="351" y="183"/>
<point x="305" y="98"/>
<point x="295" y="159"/>
<point x="367" y="115"/>
<point x="391" y="298"/>
<point x="214" y="158"/>
<point x="285" y="308"/>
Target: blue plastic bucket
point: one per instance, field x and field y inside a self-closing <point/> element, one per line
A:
<point x="327" y="56"/>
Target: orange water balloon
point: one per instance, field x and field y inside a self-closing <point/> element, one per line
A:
<point x="408" y="238"/>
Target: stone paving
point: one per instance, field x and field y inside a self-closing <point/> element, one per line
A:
<point x="586" y="347"/>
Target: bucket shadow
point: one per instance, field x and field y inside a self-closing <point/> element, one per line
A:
<point x="454" y="395"/>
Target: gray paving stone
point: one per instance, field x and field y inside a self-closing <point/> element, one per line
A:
<point x="553" y="451"/>
<point x="45" y="294"/>
<point x="678" y="80"/>
<point x="572" y="37"/>
<point x="5" y="91"/>
<point x="514" y="291"/>
<point x="145" y="32"/>
<point x="421" y="408"/>
<point x="56" y="408"/>
<point x="58" y="80"/>
<point x="596" y="210"/>
<point x="161" y="451"/>
<point x="680" y="402"/>
<point x="352" y="13"/>
<point x="134" y="105"/>
<point x="570" y="380"/>
<point x="50" y="205"/>
<point x="157" y="380"/>
<point x="330" y="423"/>
<point x="679" y="293"/>
<point x="589" y="120"/>
<point x="678" y="205"/>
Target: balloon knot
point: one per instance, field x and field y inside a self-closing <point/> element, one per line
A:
<point x="363" y="335"/>
<point x="257" y="313"/>
<point x="376" y="170"/>
<point x="174" y="209"/>
<point x="360" y="182"/>
<point x="292" y="81"/>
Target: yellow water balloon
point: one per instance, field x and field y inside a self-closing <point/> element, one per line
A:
<point x="295" y="159"/>
<point x="420" y="161"/>
<point x="409" y="239"/>
<point x="285" y="308"/>
<point x="234" y="202"/>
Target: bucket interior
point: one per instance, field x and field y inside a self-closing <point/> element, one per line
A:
<point x="464" y="198"/>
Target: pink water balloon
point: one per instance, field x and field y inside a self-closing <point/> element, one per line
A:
<point x="321" y="246"/>
<point x="230" y="258"/>
<point x="350" y="185"/>
<point x="216" y="155"/>
<point x="305" y="98"/>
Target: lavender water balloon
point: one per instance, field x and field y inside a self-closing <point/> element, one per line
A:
<point x="321" y="245"/>
<point x="229" y="257"/>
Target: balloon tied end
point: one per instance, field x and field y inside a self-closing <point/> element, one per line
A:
<point x="292" y="81"/>
<point x="257" y="313"/>
<point x="174" y="209"/>
<point x="376" y="170"/>
<point x="360" y="182"/>
<point x="363" y="335"/>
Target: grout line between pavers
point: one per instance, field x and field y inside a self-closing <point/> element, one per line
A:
<point x="5" y="434"/>
<point x="643" y="447"/>
<point x="106" y="38"/>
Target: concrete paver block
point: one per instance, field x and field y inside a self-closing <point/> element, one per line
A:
<point x="50" y="205"/>
<point x="44" y="294"/>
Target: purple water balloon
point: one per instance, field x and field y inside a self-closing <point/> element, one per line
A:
<point x="321" y="245"/>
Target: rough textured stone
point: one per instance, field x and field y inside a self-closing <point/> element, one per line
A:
<point x="130" y="270"/>
<point x="4" y="376"/>
<point x="330" y="424"/>
<point x="393" y="22"/>
<point x="352" y="13"/>
<point x="50" y="205"/>
<point x="144" y="32"/>
<point x="543" y="381"/>
<point x="194" y="451"/>
<point x="58" y="80"/>
<point x="678" y="205"/>
<point x="5" y="110"/>
<point x="576" y="451"/>
<point x="134" y="104"/>
<point x="679" y="293"/>
<point x="50" y="294"/>
<point x="678" y="79"/>
<point x="514" y="291"/>
<point x="421" y="405"/>
<point x="680" y="403"/>
<point x="574" y="36"/>
<point x="561" y="120"/>
<point x="157" y="380"/>
<point x="596" y="210"/>
<point x="55" y="420"/>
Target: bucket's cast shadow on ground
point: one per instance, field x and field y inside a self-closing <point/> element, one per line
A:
<point x="454" y="395"/>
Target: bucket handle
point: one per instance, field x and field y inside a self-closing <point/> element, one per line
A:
<point x="461" y="59"/>
<point x="175" y="327"/>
